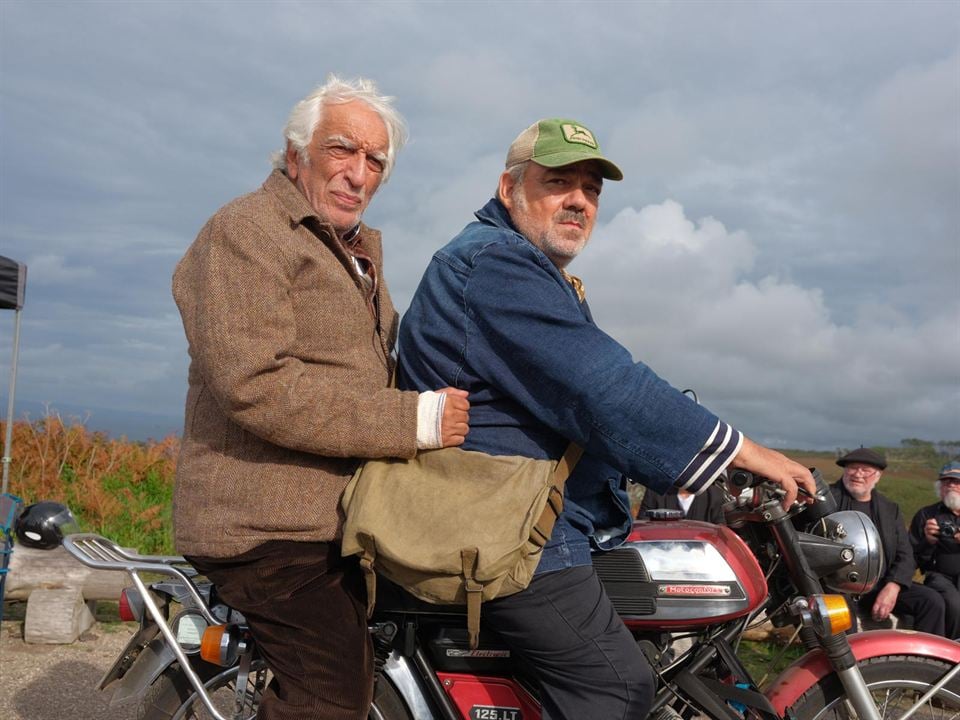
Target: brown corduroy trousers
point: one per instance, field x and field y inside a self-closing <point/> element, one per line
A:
<point x="306" y="607"/>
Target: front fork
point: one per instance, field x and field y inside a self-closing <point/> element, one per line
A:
<point x="841" y="657"/>
<point x="836" y="647"/>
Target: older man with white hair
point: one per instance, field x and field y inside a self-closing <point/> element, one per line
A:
<point x="291" y="333"/>
<point x="935" y="535"/>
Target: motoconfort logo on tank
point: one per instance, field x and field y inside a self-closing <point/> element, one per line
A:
<point x="694" y="590"/>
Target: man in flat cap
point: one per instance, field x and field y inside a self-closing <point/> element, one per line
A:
<point x="895" y="592"/>
<point x="497" y="314"/>
<point x="937" y="549"/>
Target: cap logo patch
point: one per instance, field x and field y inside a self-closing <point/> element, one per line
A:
<point x="578" y="134"/>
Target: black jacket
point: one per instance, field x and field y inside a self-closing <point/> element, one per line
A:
<point x="898" y="562"/>
<point x="707" y="506"/>
<point x="944" y="557"/>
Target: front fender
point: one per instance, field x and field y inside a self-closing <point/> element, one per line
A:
<point x="155" y="657"/>
<point x="814" y="666"/>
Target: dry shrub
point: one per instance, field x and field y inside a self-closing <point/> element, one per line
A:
<point x="115" y="486"/>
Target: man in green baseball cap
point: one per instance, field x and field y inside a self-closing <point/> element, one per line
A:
<point x="497" y="314"/>
<point x="544" y="161"/>
<point x="555" y="143"/>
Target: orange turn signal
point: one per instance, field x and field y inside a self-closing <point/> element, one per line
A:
<point x="834" y="613"/>
<point x="211" y="642"/>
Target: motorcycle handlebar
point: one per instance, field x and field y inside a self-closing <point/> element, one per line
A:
<point x="738" y="482"/>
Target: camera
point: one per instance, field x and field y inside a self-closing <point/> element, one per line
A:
<point x="948" y="528"/>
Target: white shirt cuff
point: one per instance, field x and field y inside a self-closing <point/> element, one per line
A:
<point x="429" y="417"/>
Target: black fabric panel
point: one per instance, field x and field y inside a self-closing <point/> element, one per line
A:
<point x="13" y="280"/>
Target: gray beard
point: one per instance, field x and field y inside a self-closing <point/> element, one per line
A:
<point x="857" y="494"/>
<point x="952" y="500"/>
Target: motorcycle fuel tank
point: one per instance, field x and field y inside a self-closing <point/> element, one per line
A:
<point x="681" y="575"/>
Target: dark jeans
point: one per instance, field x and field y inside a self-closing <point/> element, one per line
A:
<point x="306" y="607"/>
<point x="586" y="661"/>
<point x="949" y="589"/>
<point x="923" y="603"/>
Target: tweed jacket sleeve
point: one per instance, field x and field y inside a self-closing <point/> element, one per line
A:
<point x="281" y="335"/>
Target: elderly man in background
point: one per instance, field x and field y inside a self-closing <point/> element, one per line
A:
<point x="895" y="592"/>
<point x="937" y="549"/>
<point x="291" y="333"/>
<point x="498" y="314"/>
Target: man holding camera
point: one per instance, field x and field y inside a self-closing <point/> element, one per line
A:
<point x="935" y="536"/>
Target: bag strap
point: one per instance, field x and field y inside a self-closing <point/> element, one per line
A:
<point x="474" y="591"/>
<point x="566" y="464"/>
<point x="554" y="506"/>
<point x="367" y="560"/>
<point x="543" y="528"/>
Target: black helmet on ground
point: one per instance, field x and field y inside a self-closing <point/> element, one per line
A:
<point x="43" y="525"/>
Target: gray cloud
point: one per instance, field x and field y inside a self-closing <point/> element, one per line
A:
<point x="764" y="353"/>
<point x="786" y="240"/>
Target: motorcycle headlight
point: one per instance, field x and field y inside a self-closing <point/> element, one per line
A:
<point x="862" y="569"/>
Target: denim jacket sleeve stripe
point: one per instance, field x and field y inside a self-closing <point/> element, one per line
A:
<point x="713" y="457"/>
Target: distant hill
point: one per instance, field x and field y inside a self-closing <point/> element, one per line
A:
<point x="134" y="425"/>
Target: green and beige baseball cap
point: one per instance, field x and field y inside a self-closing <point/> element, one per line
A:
<point x="556" y="142"/>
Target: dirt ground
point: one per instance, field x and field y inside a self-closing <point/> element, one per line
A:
<point x="59" y="682"/>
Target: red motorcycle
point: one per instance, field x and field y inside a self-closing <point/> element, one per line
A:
<point x="193" y="656"/>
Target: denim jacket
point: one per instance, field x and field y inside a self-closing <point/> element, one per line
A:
<point x="494" y="316"/>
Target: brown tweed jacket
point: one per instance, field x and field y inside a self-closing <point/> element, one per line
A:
<point x="289" y="376"/>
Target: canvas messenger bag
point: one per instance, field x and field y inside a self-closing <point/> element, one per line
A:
<point x="454" y="527"/>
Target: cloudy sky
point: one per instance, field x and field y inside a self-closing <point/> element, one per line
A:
<point x="786" y="240"/>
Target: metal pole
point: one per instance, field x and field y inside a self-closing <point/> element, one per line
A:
<point x="8" y="440"/>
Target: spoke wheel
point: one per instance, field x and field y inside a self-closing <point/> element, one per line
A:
<point x="896" y="684"/>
